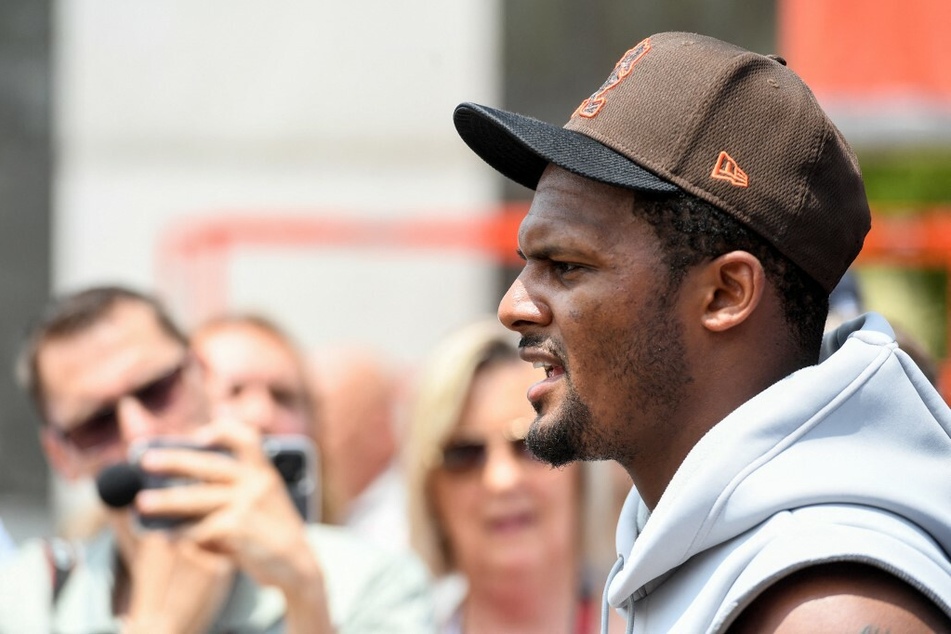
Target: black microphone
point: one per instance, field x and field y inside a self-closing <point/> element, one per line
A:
<point x="118" y="484"/>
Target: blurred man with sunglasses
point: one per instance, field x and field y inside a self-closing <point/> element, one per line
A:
<point x="108" y="369"/>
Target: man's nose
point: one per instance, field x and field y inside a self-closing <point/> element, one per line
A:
<point x="518" y="309"/>
<point x="135" y="421"/>
<point x="256" y="407"/>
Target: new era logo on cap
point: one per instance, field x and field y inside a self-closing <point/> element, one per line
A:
<point x="727" y="169"/>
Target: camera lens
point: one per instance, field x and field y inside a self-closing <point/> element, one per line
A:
<point x="289" y="465"/>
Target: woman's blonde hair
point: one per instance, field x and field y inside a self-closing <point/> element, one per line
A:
<point x="442" y="388"/>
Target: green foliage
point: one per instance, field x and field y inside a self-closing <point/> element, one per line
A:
<point x="914" y="300"/>
<point x="907" y="177"/>
<point x="908" y="181"/>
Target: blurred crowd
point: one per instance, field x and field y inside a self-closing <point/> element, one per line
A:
<point x="273" y="487"/>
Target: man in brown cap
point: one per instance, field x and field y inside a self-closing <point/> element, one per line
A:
<point x="688" y="224"/>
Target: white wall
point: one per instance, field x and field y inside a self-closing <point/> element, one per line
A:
<point x="174" y="109"/>
<point x="179" y="109"/>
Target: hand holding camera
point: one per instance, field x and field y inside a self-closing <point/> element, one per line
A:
<point x="294" y="458"/>
<point x="236" y="502"/>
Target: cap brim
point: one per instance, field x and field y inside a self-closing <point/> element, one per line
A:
<point x="521" y="147"/>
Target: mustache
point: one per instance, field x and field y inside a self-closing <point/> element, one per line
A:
<point x="545" y="344"/>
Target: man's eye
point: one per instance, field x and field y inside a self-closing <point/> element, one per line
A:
<point x="286" y="398"/>
<point x="563" y="268"/>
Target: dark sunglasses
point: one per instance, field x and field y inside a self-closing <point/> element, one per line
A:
<point x="465" y="456"/>
<point x="102" y="427"/>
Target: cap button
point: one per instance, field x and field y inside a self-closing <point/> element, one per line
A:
<point x="777" y="58"/>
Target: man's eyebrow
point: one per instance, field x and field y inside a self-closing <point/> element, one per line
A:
<point x="540" y="254"/>
<point x="520" y="254"/>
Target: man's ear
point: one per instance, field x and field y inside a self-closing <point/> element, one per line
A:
<point x="734" y="284"/>
<point x="60" y="458"/>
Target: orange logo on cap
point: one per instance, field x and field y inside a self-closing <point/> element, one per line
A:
<point x="593" y="104"/>
<point x="727" y="170"/>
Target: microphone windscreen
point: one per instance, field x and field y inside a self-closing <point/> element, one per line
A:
<point x="118" y="484"/>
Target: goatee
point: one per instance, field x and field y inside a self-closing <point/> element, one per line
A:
<point x="563" y="440"/>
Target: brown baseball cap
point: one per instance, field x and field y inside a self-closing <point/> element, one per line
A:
<point x="688" y="112"/>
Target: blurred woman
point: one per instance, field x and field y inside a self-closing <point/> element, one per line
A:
<point x="481" y="507"/>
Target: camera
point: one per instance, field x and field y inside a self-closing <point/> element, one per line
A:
<point x="293" y="457"/>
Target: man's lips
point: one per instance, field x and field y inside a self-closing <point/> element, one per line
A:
<point x="551" y="371"/>
<point x="541" y="359"/>
<point x="554" y="370"/>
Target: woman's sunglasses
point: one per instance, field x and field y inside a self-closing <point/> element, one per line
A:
<point x="466" y="456"/>
<point x="102" y="428"/>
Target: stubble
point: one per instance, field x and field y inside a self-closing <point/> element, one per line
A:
<point x="648" y="370"/>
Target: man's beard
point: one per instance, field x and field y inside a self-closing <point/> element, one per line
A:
<point x="652" y="376"/>
<point x="564" y="440"/>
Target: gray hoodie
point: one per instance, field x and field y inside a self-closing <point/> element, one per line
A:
<point x="848" y="460"/>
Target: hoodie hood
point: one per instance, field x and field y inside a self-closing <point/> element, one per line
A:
<point x="864" y="427"/>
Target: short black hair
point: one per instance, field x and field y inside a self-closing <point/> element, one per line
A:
<point x="72" y="314"/>
<point x="692" y="231"/>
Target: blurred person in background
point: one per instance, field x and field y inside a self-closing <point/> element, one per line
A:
<point x="359" y="433"/>
<point x="252" y="370"/>
<point x="483" y="510"/>
<point x="107" y="367"/>
<point x="845" y="301"/>
<point x="254" y="373"/>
